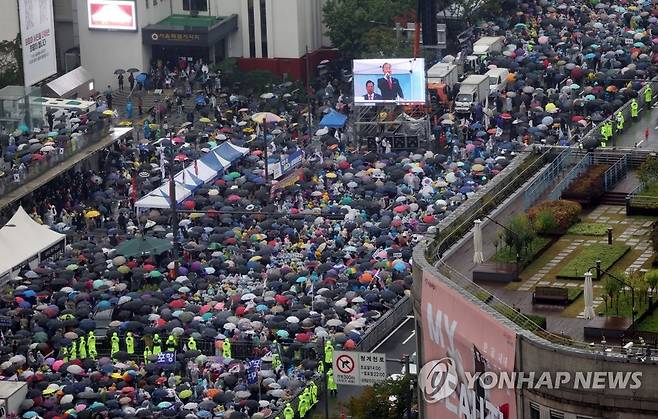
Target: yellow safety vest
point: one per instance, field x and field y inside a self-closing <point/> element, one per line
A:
<point x="115" y="344"/>
<point x="82" y="347"/>
<point x="74" y="351"/>
<point x="171" y="343"/>
<point x="147" y="354"/>
<point x="648" y="94"/>
<point x="65" y="354"/>
<point x="226" y="348"/>
<point x="91" y="345"/>
<point x="331" y="384"/>
<point x="157" y="345"/>
<point x="191" y="344"/>
<point x="130" y="344"/>
<point x="328" y="352"/>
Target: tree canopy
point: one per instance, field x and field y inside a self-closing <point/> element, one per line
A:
<point x="365" y="28"/>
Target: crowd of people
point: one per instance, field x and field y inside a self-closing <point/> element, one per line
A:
<point x="266" y="278"/>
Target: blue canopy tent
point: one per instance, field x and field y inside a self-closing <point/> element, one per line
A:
<point x="333" y="120"/>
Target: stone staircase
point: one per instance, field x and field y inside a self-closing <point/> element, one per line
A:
<point x="614" y="198"/>
<point x="149" y="99"/>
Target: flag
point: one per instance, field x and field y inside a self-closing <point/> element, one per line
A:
<point x="253" y="366"/>
<point x="162" y="163"/>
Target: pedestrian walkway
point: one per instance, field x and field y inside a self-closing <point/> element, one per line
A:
<point x="633" y="135"/>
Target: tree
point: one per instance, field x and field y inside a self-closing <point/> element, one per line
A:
<point x="350" y="21"/>
<point x="648" y="171"/>
<point x="612" y="288"/>
<point x="386" y="400"/>
<point x="383" y="42"/>
<point x="651" y="278"/>
<point x="11" y="62"/>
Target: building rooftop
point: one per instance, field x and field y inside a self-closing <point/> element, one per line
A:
<point x="193" y="21"/>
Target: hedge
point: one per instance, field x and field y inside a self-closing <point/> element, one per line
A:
<point x="563" y="213"/>
<point x="586" y="259"/>
<point x="588" y="186"/>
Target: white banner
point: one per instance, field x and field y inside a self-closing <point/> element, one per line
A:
<point x="38" y="40"/>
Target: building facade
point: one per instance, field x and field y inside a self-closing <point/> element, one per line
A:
<point x="275" y="35"/>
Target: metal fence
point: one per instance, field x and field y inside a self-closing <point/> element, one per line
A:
<point x="14" y="179"/>
<point x="615" y="173"/>
<point x="390" y="320"/>
<point x="554" y="170"/>
<point x="579" y="168"/>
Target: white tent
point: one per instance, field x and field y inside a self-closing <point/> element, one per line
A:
<point x="187" y="180"/>
<point x="23" y="242"/>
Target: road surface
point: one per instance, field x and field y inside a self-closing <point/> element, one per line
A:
<point x="633" y="135"/>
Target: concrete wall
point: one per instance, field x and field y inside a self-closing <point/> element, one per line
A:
<point x="66" y="29"/>
<point x="104" y="51"/>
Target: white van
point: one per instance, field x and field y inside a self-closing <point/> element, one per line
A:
<point x="497" y="79"/>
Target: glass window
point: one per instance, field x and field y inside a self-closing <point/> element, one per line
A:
<point x="200" y="5"/>
<point x="263" y="27"/>
<point x="534" y="411"/>
<point x="252" y="29"/>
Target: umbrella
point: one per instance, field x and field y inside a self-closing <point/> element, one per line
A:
<point x="119" y="71"/>
<point x="92" y="214"/>
<point x="589" y="297"/>
<point x="478" y="257"/>
<point x="265" y="117"/>
<point x="143" y="246"/>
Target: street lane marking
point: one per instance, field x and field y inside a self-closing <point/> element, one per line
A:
<point x="404" y="342"/>
<point x="390" y="334"/>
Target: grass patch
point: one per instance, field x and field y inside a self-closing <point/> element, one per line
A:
<point x="649" y="324"/>
<point x="589" y="229"/>
<point x="625" y="306"/>
<point x="586" y="259"/>
<point x="508" y="255"/>
<point x="574" y="294"/>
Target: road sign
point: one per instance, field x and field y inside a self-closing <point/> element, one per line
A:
<point x="359" y="368"/>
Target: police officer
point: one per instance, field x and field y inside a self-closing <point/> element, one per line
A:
<point x="64" y="354"/>
<point x="648" y="95"/>
<point x="604" y="134"/>
<point x="91" y="345"/>
<point x="328" y="352"/>
<point x="320" y="368"/>
<point x="147" y="354"/>
<point x="302" y="407"/>
<point x="331" y="384"/>
<point x="226" y="348"/>
<point x="171" y="343"/>
<point x="82" y="347"/>
<point x="288" y="412"/>
<point x="73" y="352"/>
<point x="157" y="344"/>
<point x="191" y="344"/>
<point x="314" y="393"/>
<point x="635" y="108"/>
<point x="115" y="344"/>
<point x="619" y="117"/>
<point x="130" y="343"/>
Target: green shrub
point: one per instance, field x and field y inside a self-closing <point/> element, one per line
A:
<point x="565" y="213"/>
<point x="588" y="185"/>
<point x="545" y="223"/>
<point x="652" y="278"/>
<point x="586" y="259"/>
<point x="654" y="237"/>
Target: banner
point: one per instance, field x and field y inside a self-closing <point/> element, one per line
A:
<point x="463" y="340"/>
<point x="116" y="15"/>
<point x="292" y="161"/>
<point x="37" y="39"/>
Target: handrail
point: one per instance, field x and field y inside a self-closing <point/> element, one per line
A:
<point x="505" y="191"/>
<point x="556" y="192"/>
<point x="615" y="172"/>
<point x="541" y="183"/>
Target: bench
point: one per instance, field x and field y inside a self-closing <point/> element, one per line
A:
<point x="550" y="295"/>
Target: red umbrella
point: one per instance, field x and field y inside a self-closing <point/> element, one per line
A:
<point x="188" y="204"/>
<point x="233" y="198"/>
<point x="400" y="208"/>
<point x="180" y="157"/>
<point x="149" y="268"/>
<point x="177" y="304"/>
<point x="506" y="116"/>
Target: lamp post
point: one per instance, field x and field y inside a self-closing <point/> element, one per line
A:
<point x="173" y="204"/>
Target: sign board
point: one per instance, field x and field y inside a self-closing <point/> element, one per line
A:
<point x="5" y="322"/>
<point x="166" y="358"/>
<point x="37" y="39"/>
<point x="118" y="15"/>
<point x="359" y="368"/>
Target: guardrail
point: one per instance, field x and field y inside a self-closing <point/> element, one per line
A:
<point x="385" y="325"/>
<point x="615" y="173"/>
<point x="477" y="209"/>
<point x="579" y="168"/>
<point x="14" y="179"/>
<point x="544" y="181"/>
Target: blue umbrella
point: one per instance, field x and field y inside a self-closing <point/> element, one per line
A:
<point x="141" y="78"/>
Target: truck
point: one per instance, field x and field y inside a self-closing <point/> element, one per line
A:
<point x="474" y="89"/>
<point x="497" y="79"/>
<point x="441" y="79"/>
<point x="488" y="44"/>
<point x="12" y="395"/>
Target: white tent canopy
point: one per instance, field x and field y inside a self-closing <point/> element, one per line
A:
<point x="24" y="241"/>
<point x="187" y="180"/>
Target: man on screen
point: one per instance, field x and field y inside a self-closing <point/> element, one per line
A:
<point x="388" y="85"/>
<point x="370" y="92"/>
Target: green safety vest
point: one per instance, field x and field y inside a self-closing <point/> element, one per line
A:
<point x="82" y="347"/>
<point x="157" y="345"/>
<point x="115" y="344"/>
<point x="321" y="368"/>
<point x="65" y="354"/>
<point x="620" y="121"/>
<point x="91" y="345"/>
<point x="302" y="407"/>
<point x="288" y="412"/>
<point x="276" y="361"/>
<point x="634" y="108"/>
<point x="226" y="348"/>
<point x="328" y="352"/>
<point x="147" y="354"/>
<point x="331" y="384"/>
<point x="314" y="393"/>
<point x="130" y="344"/>
<point x="171" y="343"/>
<point x="604" y="131"/>
<point x="74" y="351"/>
<point x="191" y="344"/>
<point x="648" y="94"/>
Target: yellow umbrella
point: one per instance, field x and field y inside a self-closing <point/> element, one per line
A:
<point x="108" y="112"/>
<point x="477" y="168"/>
<point x="262" y="117"/>
<point x="248" y="130"/>
<point x="92" y="214"/>
<point x="126" y="123"/>
<point x="196" y="215"/>
<point x="332" y="175"/>
<point x="205" y="120"/>
<point x="153" y="126"/>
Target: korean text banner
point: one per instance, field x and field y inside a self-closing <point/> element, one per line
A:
<point x="395" y="80"/>
<point x="38" y="40"/>
<point x="473" y="342"/>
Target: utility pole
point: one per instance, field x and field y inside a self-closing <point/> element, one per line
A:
<point x="325" y="380"/>
<point x="173" y="203"/>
